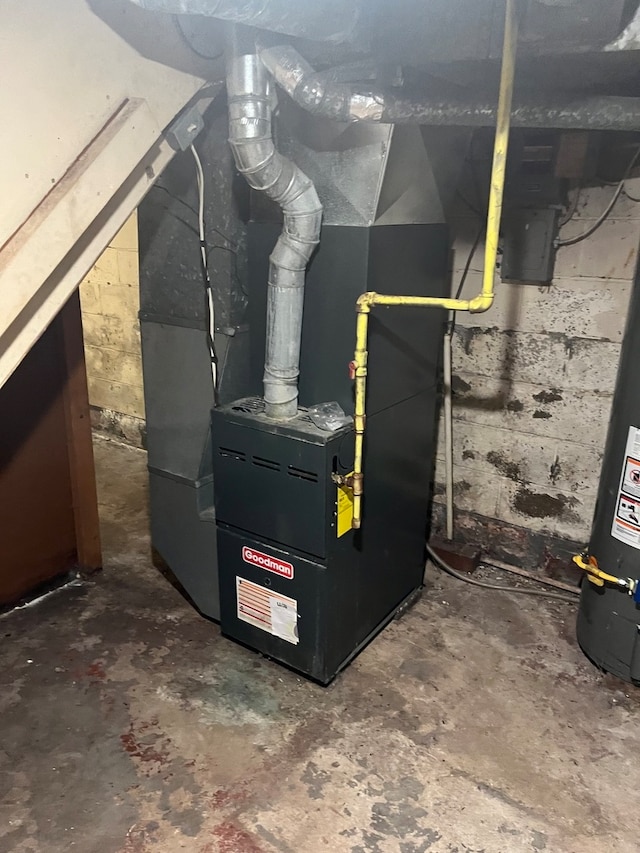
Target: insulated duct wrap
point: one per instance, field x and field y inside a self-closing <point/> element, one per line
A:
<point x="322" y="20"/>
<point x="316" y="94"/>
<point x="320" y="95"/>
<point x="266" y="170"/>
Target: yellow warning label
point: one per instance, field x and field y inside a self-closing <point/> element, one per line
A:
<point x="345" y="510"/>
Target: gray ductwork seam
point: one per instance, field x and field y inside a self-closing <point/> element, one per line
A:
<point x="266" y="170"/>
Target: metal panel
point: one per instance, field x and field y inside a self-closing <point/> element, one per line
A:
<point x="177" y="370"/>
<point x="366" y="172"/>
<point x="403" y="342"/>
<point x="185" y="538"/>
<point x="272" y="480"/>
<point x="529" y="250"/>
<point x="347" y="595"/>
<point x="178" y="397"/>
<point x="321" y="649"/>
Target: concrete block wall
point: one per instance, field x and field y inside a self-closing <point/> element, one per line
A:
<point x="533" y="383"/>
<point x="533" y="379"/>
<point x="110" y="302"/>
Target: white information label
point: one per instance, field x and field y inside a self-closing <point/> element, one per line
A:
<point x="284" y="619"/>
<point x="626" y="520"/>
<point x="268" y="610"/>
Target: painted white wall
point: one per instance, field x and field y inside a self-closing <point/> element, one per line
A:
<point x="85" y="98"/>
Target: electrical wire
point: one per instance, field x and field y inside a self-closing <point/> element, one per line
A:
<point x="571" y="211"/>
<point x="232" y="248"/>
<point x="543" y="579"/>
<point x="232" y="244"/>
<point x="159" y="186"/>
<point x="570" y="241"/>
<point x="471" y="206"/>
<point x="211" y="323"/>
<point x="541" y="593"/>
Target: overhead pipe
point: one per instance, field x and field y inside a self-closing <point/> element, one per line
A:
<point x="317" y="93"/>
<point x="479" y="303"/>
<point x="266" y="170"/>
<point x="559" y="111"/>
<point x="323" y="20"/>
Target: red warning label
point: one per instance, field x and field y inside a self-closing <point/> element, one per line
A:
<point x="631" y="477"/>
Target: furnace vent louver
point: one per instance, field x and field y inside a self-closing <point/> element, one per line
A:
<point x="270" y="464"/>
<point x="229" y="453"/>
<point x="301" y="474"/>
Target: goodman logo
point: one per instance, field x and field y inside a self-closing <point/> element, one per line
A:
<point x="264" y="561"/>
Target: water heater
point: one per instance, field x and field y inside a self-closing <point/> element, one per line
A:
<point x="609" y="616"/>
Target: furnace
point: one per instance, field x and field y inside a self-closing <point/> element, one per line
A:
<point x="297" y="583"/>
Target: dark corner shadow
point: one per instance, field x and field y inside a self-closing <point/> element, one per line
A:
<point x="180" y="42"/>
<point x="158" y="563"/>
<point x="510" y="345"/>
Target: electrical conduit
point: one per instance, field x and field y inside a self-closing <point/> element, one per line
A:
<point x="479" y="303"/>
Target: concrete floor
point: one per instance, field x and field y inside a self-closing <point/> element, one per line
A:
<point x="473" y="725"/>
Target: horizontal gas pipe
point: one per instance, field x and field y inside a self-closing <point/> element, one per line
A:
<point x="481" y="302"/>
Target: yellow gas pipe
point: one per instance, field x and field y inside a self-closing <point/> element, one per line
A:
<point x="479" y="303"/>
<point x="598" y="577"/>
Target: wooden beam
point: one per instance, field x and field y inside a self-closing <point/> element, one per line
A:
<point x="79" y="439"/>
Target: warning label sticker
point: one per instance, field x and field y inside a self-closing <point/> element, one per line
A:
<point x="268" y="610"/>
<point x="631" y="478"/>
<point x="344" y="510"/>
<point x="628" y="511"/>
<point x="626" y="522"/>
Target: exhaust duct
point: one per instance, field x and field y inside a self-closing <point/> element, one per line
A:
<point x="266" y="170"/>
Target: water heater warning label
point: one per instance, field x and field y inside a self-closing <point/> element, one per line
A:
<point x="268" y="610"/>
<point x="626" y="522"/>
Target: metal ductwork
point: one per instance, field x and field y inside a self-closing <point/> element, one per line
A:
<point x="317" y="94"/>
<point x="266" y="170"/>
<point x="320" y="95"/>
<point x="323" y="20"/>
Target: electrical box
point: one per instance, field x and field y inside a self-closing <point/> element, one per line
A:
<point x="529" y="236"/>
